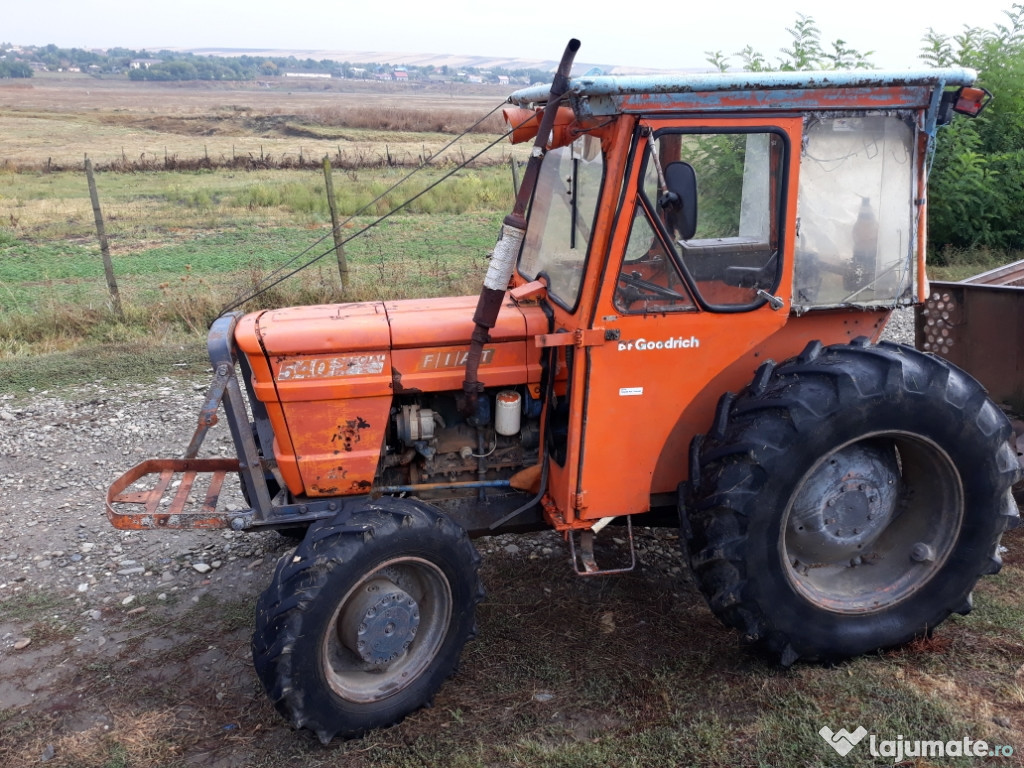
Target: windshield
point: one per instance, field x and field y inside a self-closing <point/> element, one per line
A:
<point x="562" y="218"/>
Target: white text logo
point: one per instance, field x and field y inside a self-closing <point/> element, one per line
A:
<point x="842" y="741"/>
<point x="676" y="342"/>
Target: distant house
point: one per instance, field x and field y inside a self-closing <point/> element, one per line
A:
<point x="144" y="63"/>
<point x="309" y="74"/>
<point x="502" y="79"/>
<point x="401" y="74"/>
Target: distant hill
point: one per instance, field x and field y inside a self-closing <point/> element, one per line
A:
<point x="399" y="58"/>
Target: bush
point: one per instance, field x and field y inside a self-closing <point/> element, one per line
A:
<point x="976" y="197"/>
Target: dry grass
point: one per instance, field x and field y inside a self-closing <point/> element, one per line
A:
<point x="54" y="122"/>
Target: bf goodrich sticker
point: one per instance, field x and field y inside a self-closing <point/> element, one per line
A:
<point x="646" y="345"/>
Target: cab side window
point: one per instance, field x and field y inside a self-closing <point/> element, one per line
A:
<point x="735" y="250"/>
<point x="650" y="279"/>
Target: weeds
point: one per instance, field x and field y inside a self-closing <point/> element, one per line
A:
<point x="31" y="605"/>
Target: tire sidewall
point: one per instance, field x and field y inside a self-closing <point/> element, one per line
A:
<point x="341" y="571"/>
<point x="809" y="627"/>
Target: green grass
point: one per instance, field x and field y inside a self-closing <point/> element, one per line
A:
<point x="41" y="207"/>
<point x="953" y="265"/>
<point x="186" y="245"/>
<point x="31" y="605"/>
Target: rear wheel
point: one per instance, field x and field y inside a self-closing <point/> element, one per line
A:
<point x="367" y="617"/>
<point x="848" y="499"/>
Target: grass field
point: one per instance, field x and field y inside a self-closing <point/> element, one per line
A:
<point x="187" y="243"/>
<point x="57" y="120"/>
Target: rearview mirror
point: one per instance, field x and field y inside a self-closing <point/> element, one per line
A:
<point x="679" y="201"/>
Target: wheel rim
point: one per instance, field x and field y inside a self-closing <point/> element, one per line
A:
<point x="872" y="522"/>
<point x="387" y="630"/>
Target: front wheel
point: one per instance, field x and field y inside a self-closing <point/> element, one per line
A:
<point x="848" y="500"/>
<point x="367" y="617"/>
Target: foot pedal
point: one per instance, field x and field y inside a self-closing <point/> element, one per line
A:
<point x="583" y="561"/>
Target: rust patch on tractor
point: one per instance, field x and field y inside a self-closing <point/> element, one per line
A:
<point x="349" y="432"/>
<point x="396" y="384"/>
<point x="333" y="474"/>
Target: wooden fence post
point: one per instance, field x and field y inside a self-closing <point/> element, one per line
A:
<point x="339" y="241"/>
<point x="108" y="266"/>
<point x="515" y="175"/>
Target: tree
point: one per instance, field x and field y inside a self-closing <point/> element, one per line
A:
<point x="977" y="187"/>
<point x="15" y="69"/>
<point x="805" y="53"/>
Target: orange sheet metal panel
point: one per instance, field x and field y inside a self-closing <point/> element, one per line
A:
<point x="658" y="386"/>
<point x="435" y="369"/>
<point x="247" y="336"/>
<point x="430" y="339"/>
<point x="447" y="322"/>
<point x="327" y="379"/>
<point x="332" y="376"/>
<point x="639" y="385"/>
<point x="324" y="329"/>
<point x="338" y="442"/>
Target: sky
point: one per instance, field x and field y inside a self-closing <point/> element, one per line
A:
<point x="667" y="36"/>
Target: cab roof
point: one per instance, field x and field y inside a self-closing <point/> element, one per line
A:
<point x="603" y="95"/>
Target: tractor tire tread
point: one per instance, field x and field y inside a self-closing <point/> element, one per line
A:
<point x="750" y="435"/>
<point x="301" y="577"/>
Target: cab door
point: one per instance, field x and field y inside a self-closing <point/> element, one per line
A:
<point x="683" y="304"/>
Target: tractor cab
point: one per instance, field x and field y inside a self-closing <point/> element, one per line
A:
<point x="688" y="228"/>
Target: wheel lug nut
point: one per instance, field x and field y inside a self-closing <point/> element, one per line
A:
<point x="922" y="553"/>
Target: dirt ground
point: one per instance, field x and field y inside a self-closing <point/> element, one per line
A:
<point x="135" y="645"/>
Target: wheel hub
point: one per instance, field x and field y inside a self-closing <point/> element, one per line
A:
<point x="872" y="522"/>
<point x="844" y="505"/>
<point x="380" y="622"/>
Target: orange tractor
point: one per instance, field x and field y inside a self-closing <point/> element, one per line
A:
<point x="682" y="311"/>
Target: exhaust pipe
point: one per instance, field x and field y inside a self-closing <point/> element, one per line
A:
<point x="506" y="251"/>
